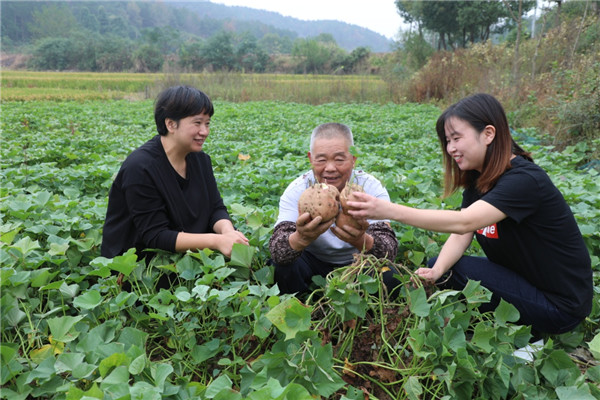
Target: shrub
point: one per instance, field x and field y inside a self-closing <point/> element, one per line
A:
<point x="54" y="54"/>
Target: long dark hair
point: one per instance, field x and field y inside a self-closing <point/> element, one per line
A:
<point x="178" y="102"/>
<point x="479" y="110"/>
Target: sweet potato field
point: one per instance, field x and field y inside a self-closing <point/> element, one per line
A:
<point x="79" y="326"/>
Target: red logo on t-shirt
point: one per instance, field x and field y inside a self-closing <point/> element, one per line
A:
<point x="490" y="232"/>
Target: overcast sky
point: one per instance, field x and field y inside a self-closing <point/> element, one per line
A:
<point x="380" y="16"/>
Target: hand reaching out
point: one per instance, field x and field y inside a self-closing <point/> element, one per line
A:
<point x="430" y="275"/>
<point x="369" y="207"/>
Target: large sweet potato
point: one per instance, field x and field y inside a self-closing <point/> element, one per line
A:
<point x="320" y="199"/>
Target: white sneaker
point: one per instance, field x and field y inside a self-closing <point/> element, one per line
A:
<point x="526" y="353"/>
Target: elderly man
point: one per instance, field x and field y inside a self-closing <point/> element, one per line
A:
<point x="302" y="247"/>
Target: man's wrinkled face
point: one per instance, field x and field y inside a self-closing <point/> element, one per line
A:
<point x="331" y="160"/>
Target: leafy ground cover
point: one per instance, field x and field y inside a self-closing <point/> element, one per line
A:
<point x="76" y="325"/>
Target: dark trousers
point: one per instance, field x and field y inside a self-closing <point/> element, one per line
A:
<point x="535" y="308"/>
<point x="297" y="277"/>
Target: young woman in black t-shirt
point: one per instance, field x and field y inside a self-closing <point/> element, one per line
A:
<point x="536" y="258"/>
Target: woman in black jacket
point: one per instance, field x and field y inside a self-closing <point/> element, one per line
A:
<point x="165" y="195"/>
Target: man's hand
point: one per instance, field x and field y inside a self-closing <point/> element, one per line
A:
<point x="356" y="236"/>
<point x="307" y="231"/>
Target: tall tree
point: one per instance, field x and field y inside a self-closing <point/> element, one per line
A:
<point x="218" y="51"/>
<point x="250" y="57"/>
<point x="458" y="23"/>
<point x="516" y="9"/>
<point x="312" y="55"/>
<point x="477" y="18"/>
<point x="15" y="16"/>
<point x="54" y="20"/>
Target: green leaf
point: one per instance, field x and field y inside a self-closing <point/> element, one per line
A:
<point x="8" y="352"/>
<point x="418" y="302"/>
<point x="559" y="369"/>
<point x="290" y="317"/>
<point x="188" y="268"/>
<point x="222" y="383"/>
<point x="98" y="336"/>
<point x="160" y="373"/>
<point x="62" y="328"/>
<point x="593" y="374"/>
<point x="124" y="263"/>
<point x="41" y="198"/>
<point x="8" y="237"/>
<point x="594" y="345"/>
<point x="254" y="221"/>
<point x="69" y="291"/>
<point x="94" y="392"/>
<point x="89" y="300"/>
<point x="137" y="365"/>
<point x="482" y="336"/>
<point x="10" y="366"/>
<point x="41" y="277"/>
<point x="274" y="391"/>
<point x="475" y="293"/>
<point x="118" y="375"/>
<point x="242" y="255"/>
<point x="5" y="274"/>
<point x="454" y="338"/>
<point x="203" y="352"/>
<point x="506" y="312"/>
<point x="133" y="337"/>
<point x="67" y="361"/>
<point x="182" y="294"/>
<point x="144" y="391"/>
<point x="239" y="209"/>
<point x="262" y="327"/>
<point x="11" y="313"/>
<point x="58" y="249"/>
<point x="26" y="245"/>
<point x="43" y="372"/>
<point x="22" y="395"/>
<point x="416" y="257"/>
<point x="113" y="361"/>
<point x="74" y="363"/>
<point x="572" y="392"/>
<point x="413" y="388"/>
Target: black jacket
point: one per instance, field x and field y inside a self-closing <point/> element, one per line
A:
<point x="150" y="203"/>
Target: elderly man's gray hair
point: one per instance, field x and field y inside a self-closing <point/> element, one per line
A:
<point x="331" y="130"/>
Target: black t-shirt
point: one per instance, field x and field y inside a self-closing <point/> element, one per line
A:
<point x="150" y="203"/>
<point x="540" y="238"/>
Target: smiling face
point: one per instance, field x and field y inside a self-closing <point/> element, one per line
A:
<point x="331" y="160"/>
<point x="467" y="146"/>
<point x="190" y="133"/>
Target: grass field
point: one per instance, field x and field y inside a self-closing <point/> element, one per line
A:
<point x="311" y="89"/>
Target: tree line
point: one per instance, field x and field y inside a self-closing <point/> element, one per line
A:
<point x="151" y="36"/>
<point x="147" y="37"/>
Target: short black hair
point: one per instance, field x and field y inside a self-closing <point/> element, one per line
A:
<point x="178" y="102"/>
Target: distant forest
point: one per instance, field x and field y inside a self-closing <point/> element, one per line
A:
<point x="193" y="36"/>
